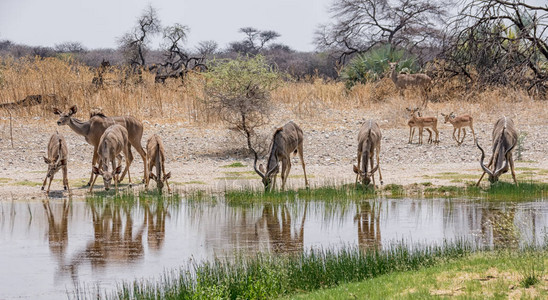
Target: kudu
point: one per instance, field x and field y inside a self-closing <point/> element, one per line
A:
<point x="56" y="160"/>
<point x="505" y="138"/>
<point x="93" y="129"/>
<point x="458" y="123"/>
<point x="369" y="144"/>
<point x="405" y="81"/>
<point x="286" y="140"/>
<point x="113" y="142"/>
<point x="156" y="158"/>
<point x="424" y="122"/>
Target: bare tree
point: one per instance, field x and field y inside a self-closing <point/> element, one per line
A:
<point x="362" y="24"/>
<point x="135" y="43"/>
<point x="177" y="61"/>
<point x="254" y="42"/>
<point x="207" y="48"/>
<point x="70" y="47"/>
<point x="500" y="42"/>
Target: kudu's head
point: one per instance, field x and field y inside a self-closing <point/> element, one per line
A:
<point x="448" y="117"/>
<point x="160" y="181"/>
<point x="54" y="165"/>
<point x="107" y="176"/>
<point x="266" y="177"/>
<point x="500" y="166"/>
<point x="64" y="117"/>
<point x="365" y="177"/>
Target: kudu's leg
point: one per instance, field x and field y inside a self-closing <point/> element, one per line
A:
<point x="379" y="166"/>
<point x="358" y="174"/>
<point x="371" y="166"/>
<point x="511" y="161"/>
<point x="454" y="137"/>
<point x="286" y="167"/>
<point x="65" y="178"/>
<point x="45" y="181"/>
<point x="129" y="158"/>
<point x="50" y="180"/>
<point x="420" y="135"/>
<point x="300" y="151"/>
<point x="429" y="135"/>
<point x="167" y="183"/>
<point x="136" y="143"/>
<point x="93" y="182"/>
<point x="93" y="162"/>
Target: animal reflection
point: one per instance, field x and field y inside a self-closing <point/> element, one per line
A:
<point x="369" y="230"/>
<point x="277" y="222"/>
<point x="117" y="239"/>
<point x="57" y="229"/>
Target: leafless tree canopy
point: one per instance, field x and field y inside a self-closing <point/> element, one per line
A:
<point x="177" y="61"/>
<point x="500" y="42"/>
<point x="254" y="41"/>
<point x="362" y="24"/>
<point x="135" y="43"/>
<point x="70" y="47"/>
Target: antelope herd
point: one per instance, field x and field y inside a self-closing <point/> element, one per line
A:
<point x="113" y="136"/>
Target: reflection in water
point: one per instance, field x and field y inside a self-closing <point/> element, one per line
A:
<point x="57" y="231"/>
<point x="155" y="218"/>
<point x="368" y="223"/>
<point x="104" y="242"/>
<point x="277" y="222"/>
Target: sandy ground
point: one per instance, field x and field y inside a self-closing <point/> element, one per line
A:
<point x="198" y="156"/>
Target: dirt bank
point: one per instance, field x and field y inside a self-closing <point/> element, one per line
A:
<point x="199" y="155"/>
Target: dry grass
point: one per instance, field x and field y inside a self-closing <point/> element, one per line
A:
<point x="173" y="101"/>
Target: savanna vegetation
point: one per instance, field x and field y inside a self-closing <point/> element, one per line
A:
<point x="487" y="56"/>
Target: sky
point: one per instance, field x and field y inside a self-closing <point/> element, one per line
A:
<point x="98" y="23"/>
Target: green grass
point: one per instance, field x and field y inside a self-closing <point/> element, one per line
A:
<point x="267" y="276"/>
<point x="325" y="193"/>
<point x="130" y="199"/>
<point x="234" y="165"/>
<point x="485" y="275"/>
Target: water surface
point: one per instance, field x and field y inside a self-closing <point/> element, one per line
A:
<point x="48" y="249"/>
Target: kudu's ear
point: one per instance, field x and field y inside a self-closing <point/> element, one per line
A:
<point x="261" y="168"/>
<point x="46" y="160"/>
<point x="118" y="170"/>
<point x="73" y="110"/>
<point x="97" y="171"/>
<point x="356" y="170"/>
<point x="167" y="176"/>
<point x="56" y="111"/>
<point x="443" y="114"/>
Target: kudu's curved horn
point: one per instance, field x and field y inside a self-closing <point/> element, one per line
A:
<point x="485" y="169"/>
<point x="269" y="172"/>
<point x="370" y="173"/>
<point x="497" y="172"/>
<point x="255" y="164"/>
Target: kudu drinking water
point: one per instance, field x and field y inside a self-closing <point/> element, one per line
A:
<point x="505" y="138"/>
<point x="56" y="160"/>
<point x="156" y="158"/>
<point x="112" y="143"/>
<point x="94" y="128"/>
<point x="286" y="140"/>
<point x="369" y="143"/>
